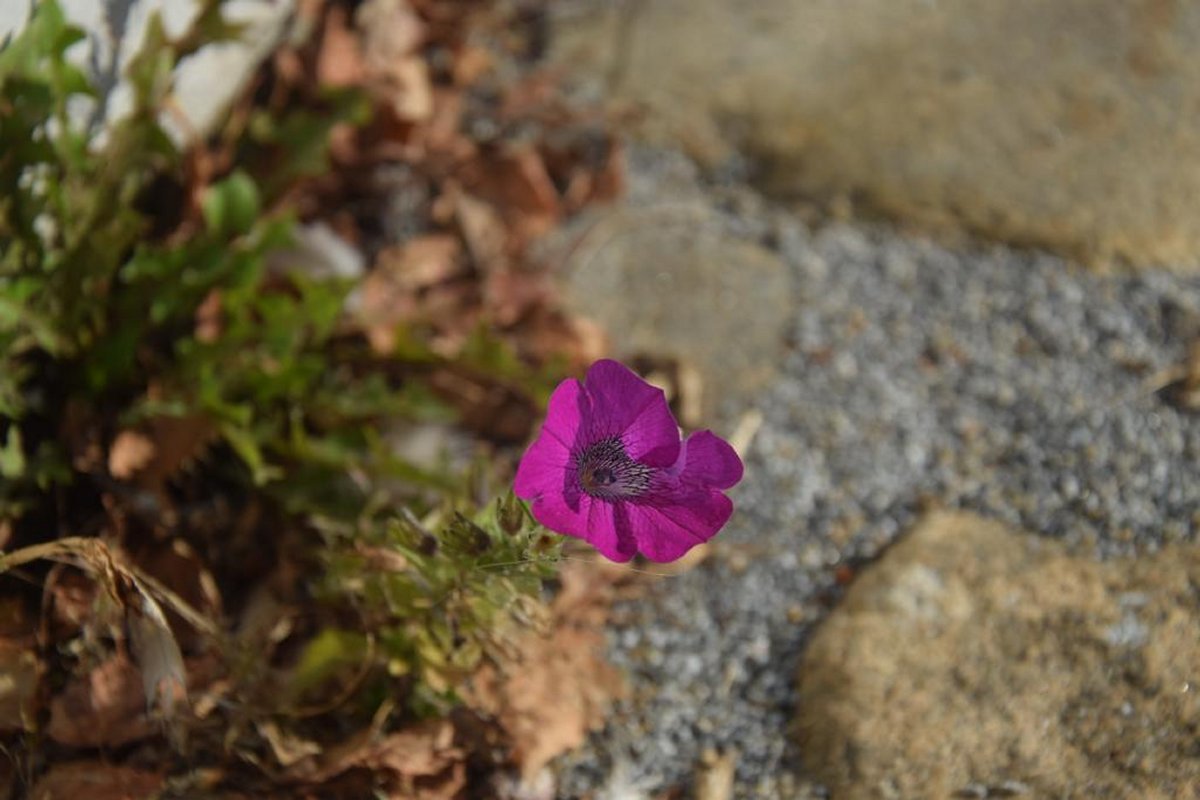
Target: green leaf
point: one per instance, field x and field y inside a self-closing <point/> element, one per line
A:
<point x="12" y="456"/>
<point x="247" y="447"/>
<point x="326" y="655"/>
<point x="231" y="206"/>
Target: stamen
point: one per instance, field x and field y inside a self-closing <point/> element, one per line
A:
<point x="606" y="471"/>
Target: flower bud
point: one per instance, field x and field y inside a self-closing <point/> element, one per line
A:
<point x="510" y="513"/>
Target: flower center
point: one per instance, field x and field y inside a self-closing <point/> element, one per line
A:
<point x="605" y="470"/>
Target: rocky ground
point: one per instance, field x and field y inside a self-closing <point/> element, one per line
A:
<point x="912" y="376"/>
<point x="889" y="372"/>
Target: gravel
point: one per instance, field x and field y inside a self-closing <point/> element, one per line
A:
<point x="1006" y="382"/>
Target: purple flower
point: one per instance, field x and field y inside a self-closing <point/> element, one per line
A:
<point x="609" y="467"/>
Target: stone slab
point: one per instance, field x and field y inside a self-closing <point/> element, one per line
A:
<point x="972" y="661"/>
<point x="671" y="282"/>
<point x="1069" y="124"/>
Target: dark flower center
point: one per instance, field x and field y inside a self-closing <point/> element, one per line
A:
<point x="606" y="471"/>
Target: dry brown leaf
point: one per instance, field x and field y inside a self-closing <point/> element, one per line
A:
<point x="178" y="441"/>
<point x="559" y="687"/>
<point x="130" y="453"/>
<point x="553" y="333"/>
<point x="422" y="261"/>
<point x="390" y="29"/>
<point x="389" y="295"/>
<point x="511" y="294"/>
<point x="411" y="91"/>
<point x="471" y="64"/>
<point x="398" y="74"/>
<point x="96" y="780"/>
<point x="424" y="760"/>
<point x="164" y="679"/>
<point x="18" y="684"/>
<point x="528" y="186"/>
<point x="485" y="406"/>
<point x="70" y="596"/>
<point x="104" y="708"/>
<point x="340" y="58"/>
<point x="442" y="137"/>
<point x="609" y="183"/>
<point x="287" y="748"/>
<point x="176" y="564"/>
<point x="381" y="559"/>
<point x="483" y="230"/>
<point x="714" y="775"/>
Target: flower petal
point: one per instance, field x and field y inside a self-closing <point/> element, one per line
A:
<point x="583" y="517"/>
<point x="565" y="412"/>
<point x="563" y="512"/>
<point x="665" y="531"/>
<point x="710" y="461"/>
<point x="608" y="531"/>
<point x="543" y="467"/>
<point x="624" y="405"/>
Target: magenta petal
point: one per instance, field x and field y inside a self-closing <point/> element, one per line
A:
<point x="710" y="461"/>
<point x="575" y="514"/>
<point x="608" y="533"/>
<point x="622" y="404"/>
<point x="565" y="411"/>
<point x="543" y="467"/>
<point x="666" y="532"/>
<point x="562" y="512"/>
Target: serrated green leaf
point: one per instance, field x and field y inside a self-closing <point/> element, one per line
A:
<point x="247" y="447"/>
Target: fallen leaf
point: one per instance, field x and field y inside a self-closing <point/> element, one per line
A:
<point x="510" y="294"/>
<point x="422" y="261"/>
<point x="442" y="137"/>
<point x="106" y="707"/>
<point x="550" y="333"/>
<point x="164" y="679"/>
<point x="389" y="296"/>
<point x="714" y="775"/>
<point x="96" y="780"/>
<point x="558" y="687"/>
<point x="527" y="186"/>
<point x="103" y="707"/>
<point x="340" y="58"/>
<point x="130" y="452"/>
<point x="471" y="64"/>
<point x="486" y="406"/>
<point x="609" y="183"/>
<point x="287" y="748"/>
<point x="176" y="564"/>
<point x="424" y="760"/>
<point x="177" y="441"/>
<point x="390" y="29"/>
<point x="18" y="685"/>
<point x="70" y="597"/>
<point x="483" y="230"/>
<point x="411" y="91"/>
